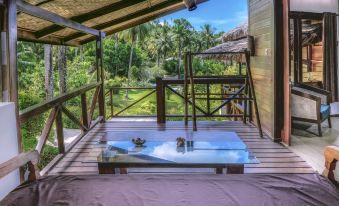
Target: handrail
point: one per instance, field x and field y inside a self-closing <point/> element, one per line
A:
<point x="37" y="109"/>
<point x="16" y="162"/>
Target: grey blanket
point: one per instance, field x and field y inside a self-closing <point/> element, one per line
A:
<point x="176" y="190"/>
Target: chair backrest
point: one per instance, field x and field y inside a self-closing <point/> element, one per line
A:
<point x="29" y="158"/>
<point x="331" y="157"/>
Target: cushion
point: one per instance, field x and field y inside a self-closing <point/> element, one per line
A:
<point x="325" y="111"/>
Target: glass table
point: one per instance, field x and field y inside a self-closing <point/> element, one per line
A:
<point x="216" y="150"/>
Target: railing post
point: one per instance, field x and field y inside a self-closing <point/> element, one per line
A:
<point x="160" y="90"/>
<point x="186" y="89"/>
<point x="60" y="130"/>
<point x="100" y="75"/>
<point x="208" y="99"/>
<point x="111" y="101"/>
<point x="84" y="110"/>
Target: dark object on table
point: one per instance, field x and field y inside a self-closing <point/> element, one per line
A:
<point x="139" y="142"/>
<point x="181" y="142"/>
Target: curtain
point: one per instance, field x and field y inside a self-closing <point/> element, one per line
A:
<point x="330" y="69"/>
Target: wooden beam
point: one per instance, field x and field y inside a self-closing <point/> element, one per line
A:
<point x="72" y="117"/>
<point x="101" y="75"/>
<point x="52" y="17"/>
<point x="90" y="15"/>
<point x="30" y="112"/>
<point x="18" y="161"/>
<point x="60" y="130"/>
<point x="128" y="17"/>
<point x="46" y="131"/>
<point x="278" y="23"/>
<point x="28" y="36"/>
<point x="139" y="21"/>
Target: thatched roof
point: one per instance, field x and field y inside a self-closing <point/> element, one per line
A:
<point x="311" y="34"/>
<point x="238" y="32"/>
<point x="239" y="45"/>
<point x="110" y="16"/>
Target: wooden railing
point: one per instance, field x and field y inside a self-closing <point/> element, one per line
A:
<point x="110" y="94"/>
<point x="57" y="108"/>
<point x="232" y="99"/>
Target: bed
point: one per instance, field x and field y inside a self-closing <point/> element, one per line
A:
<point x="179" y="189"/>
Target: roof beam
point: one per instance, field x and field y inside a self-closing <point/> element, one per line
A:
<point x="167" y="10"/>
<point x="127" y="18"/>
<point x="52" y="17"/>
<point x="24" y="35"/>
<point x="88" y="16"/>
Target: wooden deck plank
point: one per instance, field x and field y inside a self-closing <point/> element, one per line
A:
<point x="274" y="158"/>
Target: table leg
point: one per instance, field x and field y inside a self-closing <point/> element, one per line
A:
<point x="106" y="169"/>
<point x="235" y="169"/>
<point x="218" y="170"/>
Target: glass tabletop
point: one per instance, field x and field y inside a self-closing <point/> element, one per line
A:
<point x="219" y="149"/>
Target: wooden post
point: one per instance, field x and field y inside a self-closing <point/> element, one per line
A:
<point x="194" y="117"/>
<point x="161" y="111"/>
<point x="84" y="110"/>
<point x="245" y="102"/>
<point x="9" y="59"/>
<point x="185" y="90"/>
<point x="111" y="102"/>
<point x="208" y="99"/>
<point x="60" y="130"/>
<point x="100" y="75"/>
<point x="251" y="84"/>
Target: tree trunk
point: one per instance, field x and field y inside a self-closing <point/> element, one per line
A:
<point x="116" y="36"/>
<point x="81" y="53"/>
<point x="179" y="60"/>
<point x="62" y="69"/>
<point x="48" y="71"/>
<point x="129" y="69"/>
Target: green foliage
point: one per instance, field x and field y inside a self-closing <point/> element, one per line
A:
<point x="145" y="52"/>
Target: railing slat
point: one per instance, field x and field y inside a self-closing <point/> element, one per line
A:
<point x="46" y="131"/>
<point x="72" y="117"/>
<point x="84" y="117"/>
<point x="136" y="102"/>
<point x="30" y="112"/>
<point x="93" y="104"/>
<point x="60" y="131"/>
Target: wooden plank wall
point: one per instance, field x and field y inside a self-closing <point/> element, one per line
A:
<point x="261" y="26"/>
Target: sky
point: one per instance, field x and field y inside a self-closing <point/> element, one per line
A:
<point x="223" y="15"/>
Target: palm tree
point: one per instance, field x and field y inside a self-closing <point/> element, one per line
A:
<point x="181" y="30"/>
<point x="160" y="41"/>
<point x="207" y="35"/>
<point x="133" y="35"/>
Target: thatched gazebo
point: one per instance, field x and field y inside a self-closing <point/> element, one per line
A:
<point x="234" y="41"/>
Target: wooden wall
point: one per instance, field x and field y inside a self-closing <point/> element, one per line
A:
<point x="261" y="26"/>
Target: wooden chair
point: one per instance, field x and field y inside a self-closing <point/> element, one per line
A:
<point x="310" y="104"/>
<point x="331" y="157"/>
<point x="29" y="158"/>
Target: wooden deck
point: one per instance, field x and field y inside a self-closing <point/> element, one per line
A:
<point x="274" y="157"/>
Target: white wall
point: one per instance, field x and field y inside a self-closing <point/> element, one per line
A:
<point x="318" y="6"/>
<point x="8" y="146"/>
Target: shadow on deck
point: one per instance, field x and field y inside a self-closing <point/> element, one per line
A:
<point x="274" y="157"/>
